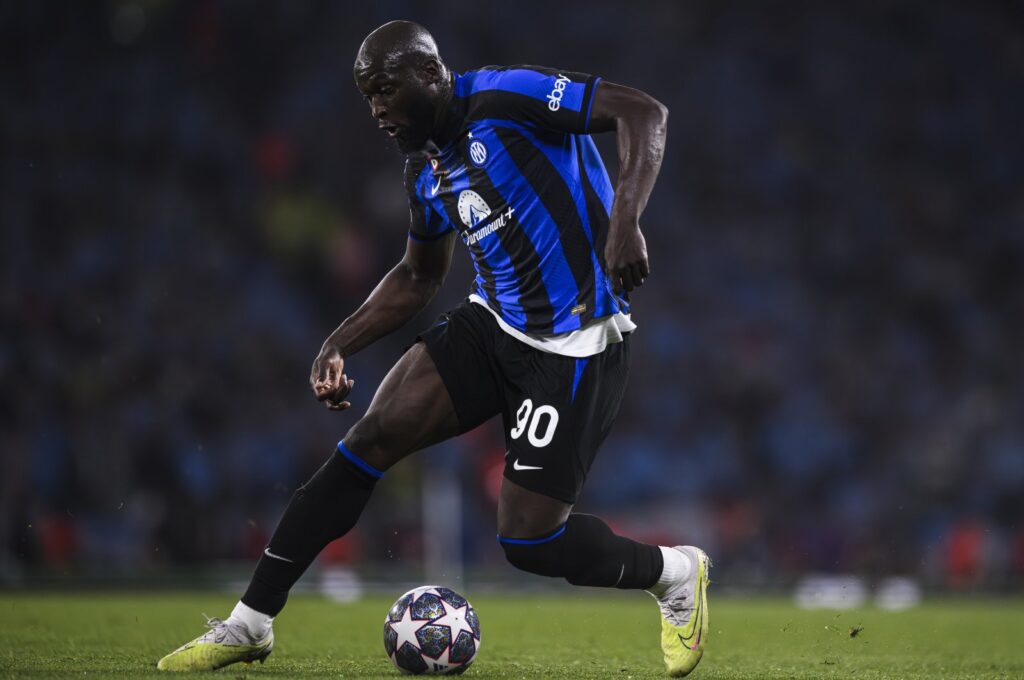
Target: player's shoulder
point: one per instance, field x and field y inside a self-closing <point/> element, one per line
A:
<point x="514" y="77"/>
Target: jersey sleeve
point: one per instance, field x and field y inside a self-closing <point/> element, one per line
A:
<point x="425" y="222"/>
<point x="551" y="98"/>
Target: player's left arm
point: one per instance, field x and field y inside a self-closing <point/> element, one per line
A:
<point x="641" y="125"/>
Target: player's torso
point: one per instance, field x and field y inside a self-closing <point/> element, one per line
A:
<point x="514" y="194"/>
<point x="501" y="174"/>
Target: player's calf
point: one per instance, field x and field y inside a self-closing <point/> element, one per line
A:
<point x="586" y="552"/>
<point x="321" y="510"/>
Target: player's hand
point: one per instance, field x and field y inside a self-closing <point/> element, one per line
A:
<point x="625" y="255"/>
<point x="328" y="380"/>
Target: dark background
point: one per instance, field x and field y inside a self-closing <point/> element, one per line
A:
<point x="827" y="372"/>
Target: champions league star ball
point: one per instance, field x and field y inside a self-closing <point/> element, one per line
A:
<point x="431" y="630"/>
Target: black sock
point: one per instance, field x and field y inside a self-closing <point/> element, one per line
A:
<point x="323" y="509"/>
<point x="585" y="552"/>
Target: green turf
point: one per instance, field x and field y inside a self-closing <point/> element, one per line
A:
<point x="535" y="636"/>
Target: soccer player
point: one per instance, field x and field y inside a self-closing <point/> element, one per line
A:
<point x="501" y="159"/>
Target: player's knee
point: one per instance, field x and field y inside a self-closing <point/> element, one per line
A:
<point x="366" y="440"/>
<point x="363" y="435"/>
<point x="382" y="437"/>
<point x="545" y="555"/>
<point x="538" y="559"/>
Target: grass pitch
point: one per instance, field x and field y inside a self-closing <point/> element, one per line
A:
<point x="594" y="635"/>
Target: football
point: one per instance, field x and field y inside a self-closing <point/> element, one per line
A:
<point x="431" y="630"/>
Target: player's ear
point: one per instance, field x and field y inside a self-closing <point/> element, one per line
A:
<point x="431" y="71"/>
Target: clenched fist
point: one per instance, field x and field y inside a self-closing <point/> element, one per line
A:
<point x="329" y="382"/>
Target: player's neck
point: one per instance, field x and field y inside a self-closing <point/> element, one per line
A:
<point x="448" y="119"/>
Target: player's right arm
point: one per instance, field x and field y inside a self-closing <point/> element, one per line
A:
<point x="400" y="295"/>
<point x="581" y="104"/>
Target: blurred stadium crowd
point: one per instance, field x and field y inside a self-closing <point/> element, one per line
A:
<point x="827" y="372"/>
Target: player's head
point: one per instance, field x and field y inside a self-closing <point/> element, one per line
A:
<point x="403" y="79"/>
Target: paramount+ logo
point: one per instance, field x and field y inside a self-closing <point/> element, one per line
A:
<point x="555" y="96"/>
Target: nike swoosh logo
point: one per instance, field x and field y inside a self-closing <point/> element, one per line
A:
<point x="699" y="620"/>
<point x="517" y="466"/>
<point x="433" y="189"/>
<point x="696" y="631"/>
<point x="266" y="551"/>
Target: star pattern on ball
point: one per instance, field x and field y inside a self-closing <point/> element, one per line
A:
<point x="406" y="628"/>
<point x="455" y="619"/>
<point x="443" y="661"/>
<point x="411" y="642"/>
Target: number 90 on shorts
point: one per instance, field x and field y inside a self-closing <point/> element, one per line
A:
<point x="538" y="423"/>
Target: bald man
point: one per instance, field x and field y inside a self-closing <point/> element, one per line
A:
<point x="500" y="158"/>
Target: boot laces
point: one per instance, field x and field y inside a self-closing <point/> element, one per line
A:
<point x="227" y="632"/>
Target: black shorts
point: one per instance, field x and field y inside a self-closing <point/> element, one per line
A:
<point x="556" y="410"/>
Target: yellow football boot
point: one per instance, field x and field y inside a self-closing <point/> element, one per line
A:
<point x="684" y="616"/>
<point x="226" y="642"/>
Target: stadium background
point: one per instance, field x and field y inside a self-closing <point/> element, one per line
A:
<point x="827" y="374"/>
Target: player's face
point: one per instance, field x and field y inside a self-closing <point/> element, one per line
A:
<point x="402" y="104"/>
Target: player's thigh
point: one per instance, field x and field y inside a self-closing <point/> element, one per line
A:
<point x="411" y="410"/>
<point x="558" y="412"/>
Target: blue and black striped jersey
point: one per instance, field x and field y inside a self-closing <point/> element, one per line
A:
<point x="524" y="185"/>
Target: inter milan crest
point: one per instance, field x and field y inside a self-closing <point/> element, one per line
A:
<point x="477" y="152"/>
